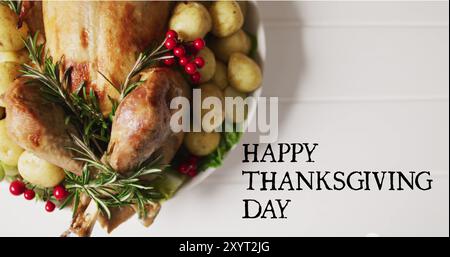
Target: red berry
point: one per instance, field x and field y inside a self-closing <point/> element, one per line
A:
<point x="199" y="61"/>
<point x="183" y="168"/>
<point x="49" y="206"/>
<point x="17" y="187"/>
<point x="59" y="192"/>
<point x="29" y="194"/>
<point x="196" y="78"/>
<point x="190" y="68"/>
<point x="169" y="61"/>
<point x="172" y="34"/>
<point x="179" y="51"/>
<point x="192" y="167"/>
<point x="191" y="49"/>
<point x="192" y="173"/>
<point x="199" y="44"/>
<point x="193" y="159"/>
<point x="170" y="43"/>
<point x="183" y="61"/>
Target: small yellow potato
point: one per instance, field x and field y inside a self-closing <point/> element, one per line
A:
<point x="207" y="72"/>
<point x="190" y="20"/>
<point x="14" y="56"/>
<point x="8" y="73"/>
<point x="220" y="78"/>
<point x="9" y="150"/>
<point x="226" y="17"/>
<point x="211" y="117"/>
<point x="10" y="36"/>
<point x="238" y="111"/>
<point x="244" y="6"/>
<point x="223" y="48"/>
<point x="38" y="171"/>
<point x="244" y="74"/>
<point x="201" y="143"/>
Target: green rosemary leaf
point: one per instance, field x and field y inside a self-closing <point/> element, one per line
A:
<point x="142" y="212"/>
<point x="86" y="175"/>
<point x="76" y="202"/>
<point x="101" y="204"/>
<point x="34" y="50"/>
<point x="15" y="6"/>
<point x="114" y="104"/>
<point x="67" y="201"/>
<point x="132" y="86"/>
<point x="107" y="79"/>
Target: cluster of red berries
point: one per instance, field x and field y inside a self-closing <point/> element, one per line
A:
<point x="185" y="54"/>
<point x="17" y="188"/>
<point x="189" y="167"/>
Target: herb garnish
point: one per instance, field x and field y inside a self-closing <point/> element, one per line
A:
<point x="144" y="60"/>
<point x="81" y="107"/>
<point x="15" y="6"/>
<point x="105" y="186"/>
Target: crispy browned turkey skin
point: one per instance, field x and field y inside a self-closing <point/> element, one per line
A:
<point x="102" y="36"/>
<point x="142" y="121"/>
<point x="38" y="126"/>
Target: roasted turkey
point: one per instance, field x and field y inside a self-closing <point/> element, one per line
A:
<point x="38" y="126"/>
<point x="96" y="39"/>
<point x="141" y="124"/>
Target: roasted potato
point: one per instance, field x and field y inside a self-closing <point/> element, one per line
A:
<point x="201" y="143"/>
<point x="239" y="42"/>
<point x="190" y="20"/>
<point x="212" y="116"/>
<point x="38" y="171"/>
<point x="237" y="112"/>
<point x="9" y="150"/>
<point x="244" y="74"/>
<point x="14" y="56"/>
<point x="8" y="72"/>
<point x="10" y="36"/>
<point x="220" y="78"/>
<point x="207" y="72"/>
<point x="226" y="18"/>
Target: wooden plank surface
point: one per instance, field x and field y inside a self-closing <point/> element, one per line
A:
<point x="369" y="82"/>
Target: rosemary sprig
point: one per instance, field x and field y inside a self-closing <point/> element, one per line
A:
<point x="15" y="6"/>
<point x="99" y="180"/>
<point x="81" y="106"/>
<point x="107" y="187"/>
<point x="144" y="60"/>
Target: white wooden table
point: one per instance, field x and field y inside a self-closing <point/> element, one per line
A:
<point x="369" y="82"/>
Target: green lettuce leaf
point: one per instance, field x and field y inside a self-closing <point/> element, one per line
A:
<point x="254" y="45"/>
<point x="227" y="141"/>
<point x="169" y="183"/>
